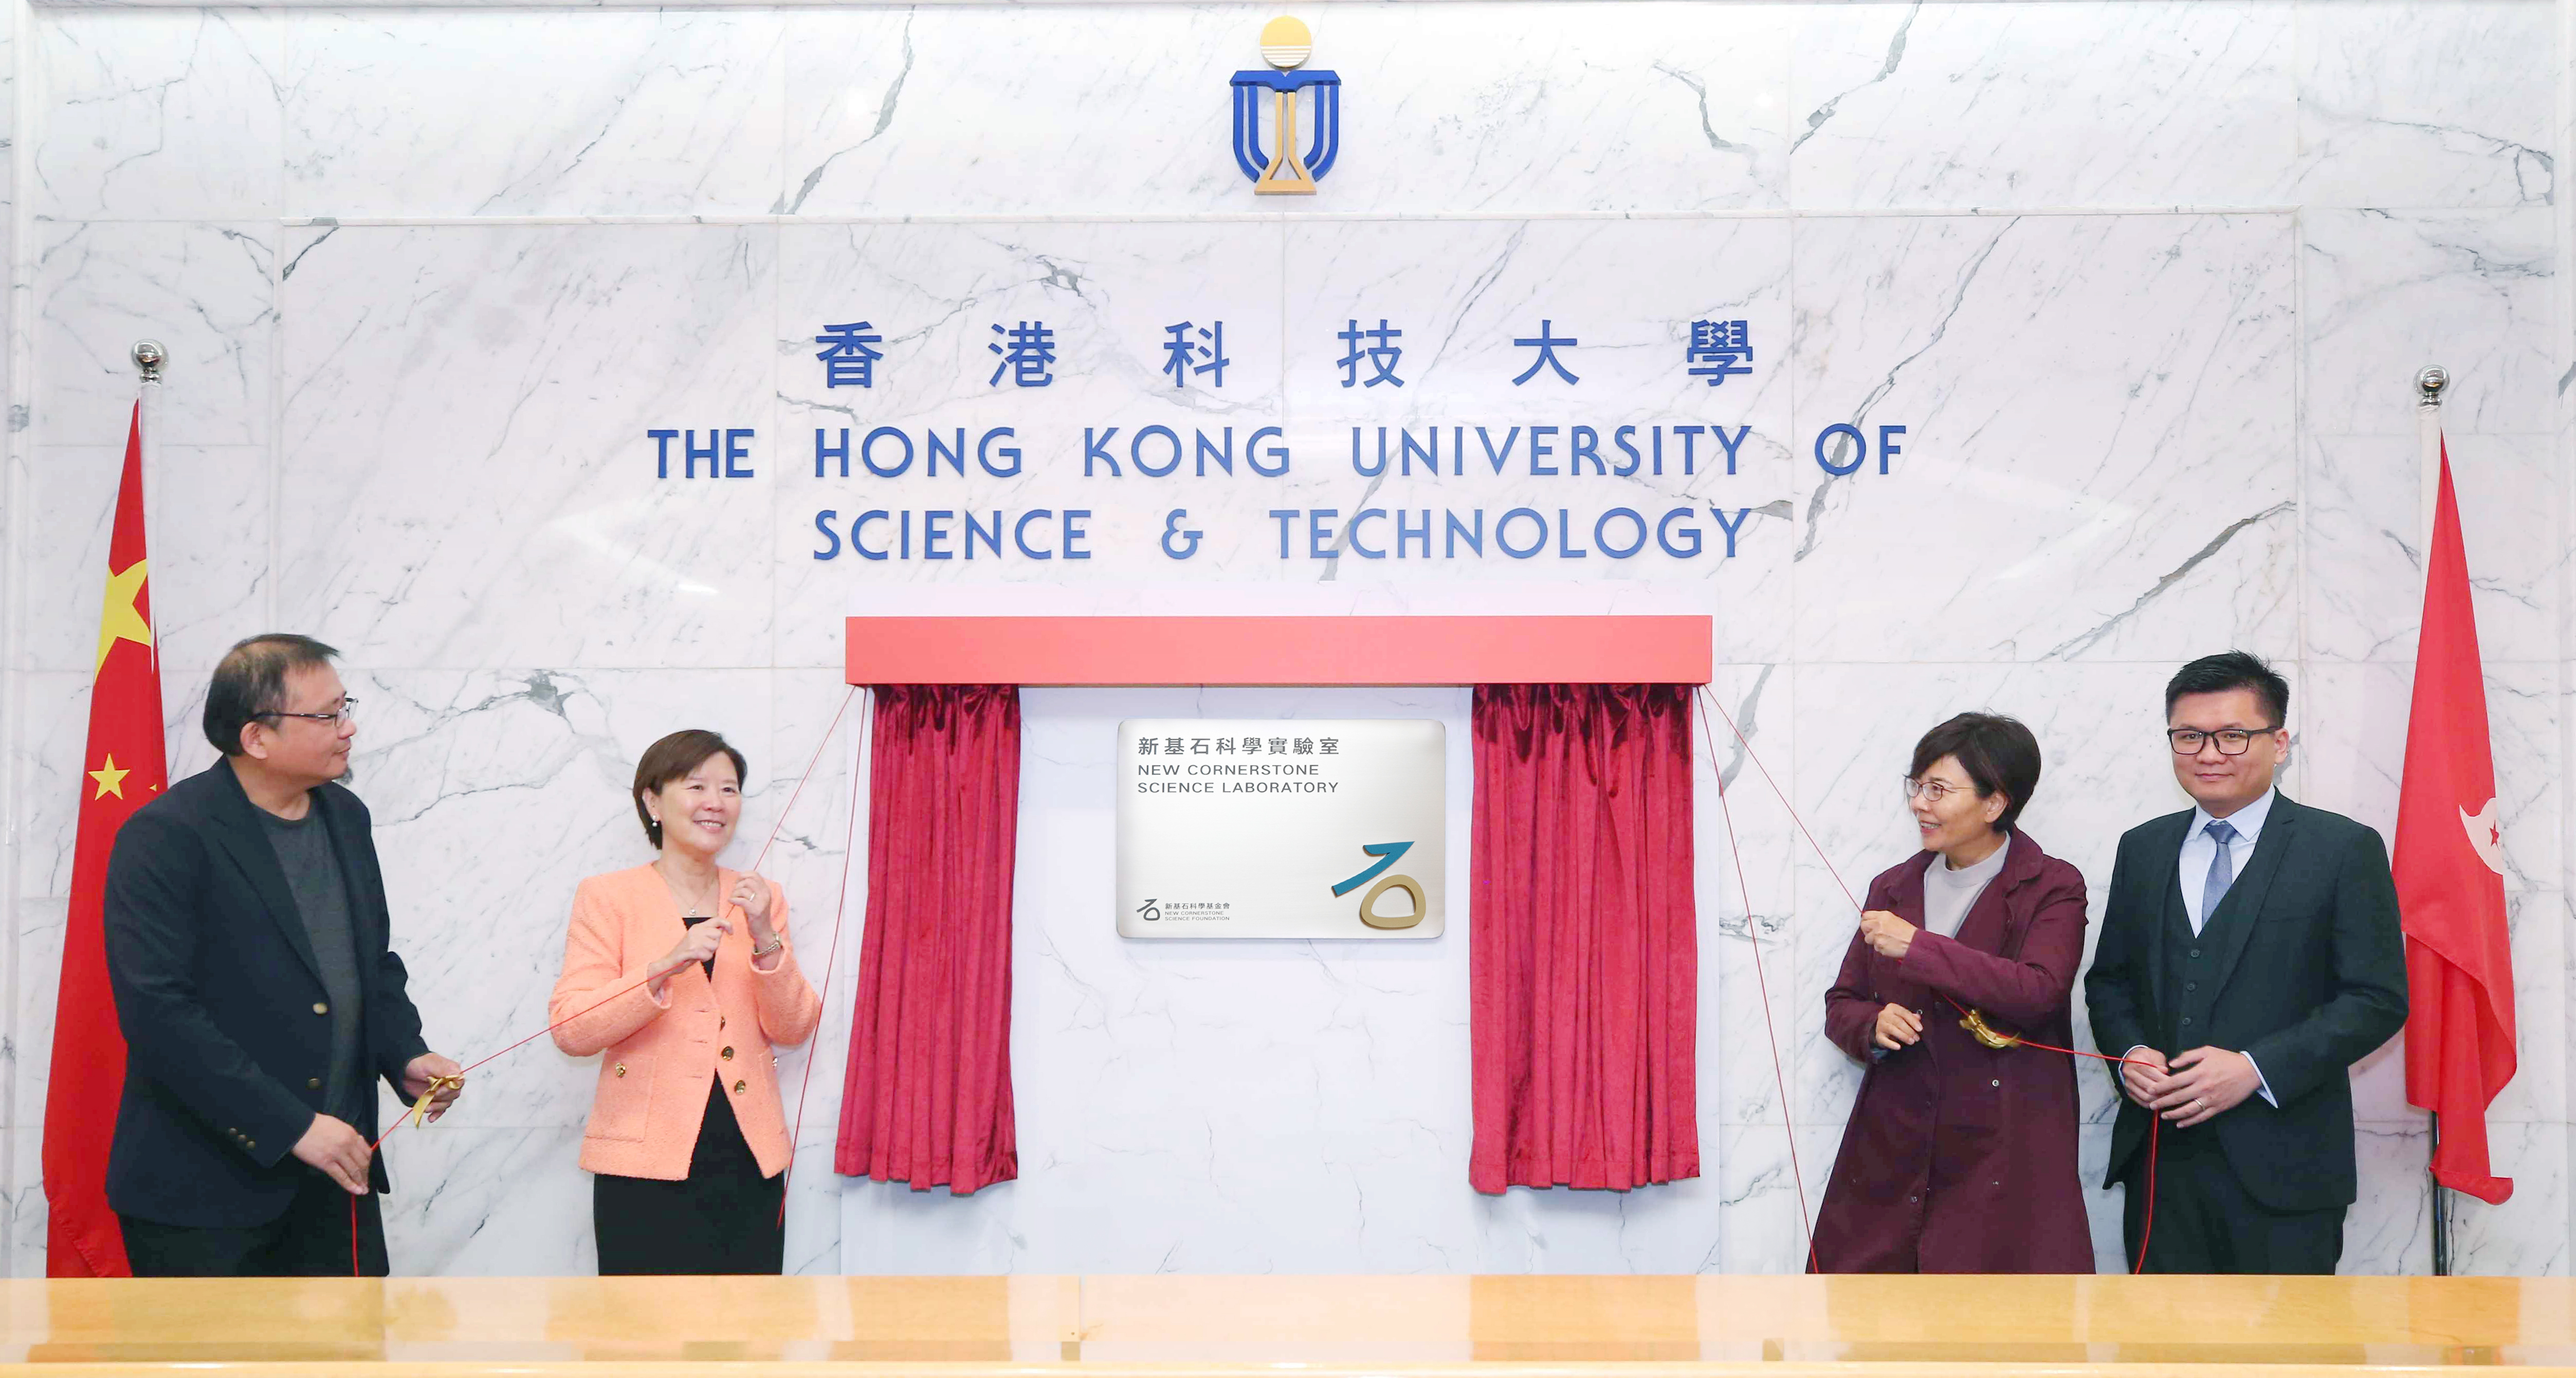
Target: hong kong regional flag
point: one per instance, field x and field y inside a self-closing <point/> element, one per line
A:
<point x="2450" y="878"/>
<point x="122" y="771"/>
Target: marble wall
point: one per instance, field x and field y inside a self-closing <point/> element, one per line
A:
<point x="2146" y="280"/>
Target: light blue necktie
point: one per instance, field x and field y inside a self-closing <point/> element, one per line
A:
<point x="2221" y="875"/>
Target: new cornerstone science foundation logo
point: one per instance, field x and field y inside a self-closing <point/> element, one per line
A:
<point x="1280" y="170"/>
<point x="1264" y="829"/>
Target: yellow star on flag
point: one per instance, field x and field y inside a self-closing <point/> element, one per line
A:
<point x="120" y="620"/>
<point x="110" y="780"/>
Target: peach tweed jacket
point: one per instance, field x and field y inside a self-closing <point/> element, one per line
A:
<point x="660" y="1054"/>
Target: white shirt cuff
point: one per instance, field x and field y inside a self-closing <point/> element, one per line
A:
<point x="2265" y="1087"/>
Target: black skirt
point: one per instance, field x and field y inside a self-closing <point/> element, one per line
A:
<point x="724" y="1217"/>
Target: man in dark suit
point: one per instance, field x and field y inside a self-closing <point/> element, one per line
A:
<point x="2250" y="954"/>
<point x="248" y="943"/>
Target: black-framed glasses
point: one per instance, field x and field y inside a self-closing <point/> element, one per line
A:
<point x="346" y="711"/>
<point x="2232" y="741"/>
<point x="1931" y="791"/>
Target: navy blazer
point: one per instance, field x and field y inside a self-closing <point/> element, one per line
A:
<point x="227" y="1024"/>
<point x="2313" y="973"/>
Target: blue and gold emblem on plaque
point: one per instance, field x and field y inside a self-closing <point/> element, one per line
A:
<point x="1281" y="170"/>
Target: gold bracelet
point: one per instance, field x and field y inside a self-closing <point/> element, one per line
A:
<point x="775" y="944"/>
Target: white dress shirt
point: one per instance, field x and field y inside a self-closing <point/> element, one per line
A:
<point x="2198" y="850"/>
<point x="2198" y="847"/>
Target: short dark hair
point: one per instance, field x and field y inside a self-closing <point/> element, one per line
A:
<point x="1998" y="753"/>
<point x="2232" y="670"/>
<point x="672" y="758"/>
<point x="249" y="683"/>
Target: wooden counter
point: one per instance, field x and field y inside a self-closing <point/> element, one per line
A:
<point x="1628" y="1326"/>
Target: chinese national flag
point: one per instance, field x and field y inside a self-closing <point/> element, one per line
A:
<point x="2450" y="878"/>
<point x="122" y="771"/>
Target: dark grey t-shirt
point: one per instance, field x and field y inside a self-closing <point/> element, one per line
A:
<point x="304" y="852"/>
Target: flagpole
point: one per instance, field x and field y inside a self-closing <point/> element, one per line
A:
<point x="2429" y="385"/>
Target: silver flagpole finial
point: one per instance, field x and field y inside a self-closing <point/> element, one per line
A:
<point x="2430" y="382"/>
<point x="148" y="357"/>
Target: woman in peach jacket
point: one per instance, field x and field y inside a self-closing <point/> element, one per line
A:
<point x="680" y="972"/>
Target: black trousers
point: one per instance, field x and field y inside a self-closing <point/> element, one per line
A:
<point x="2205" y="1222"/>
<point x="311" y="1240"/>
<point x="724" y="1217"/>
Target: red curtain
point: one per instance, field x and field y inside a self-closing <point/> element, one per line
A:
<point x="1583" y="941"/>
<point x="927" y="1097"/>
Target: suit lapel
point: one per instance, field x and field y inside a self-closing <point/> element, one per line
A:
<point x="2163" y="895"/>
<point x="239" y="837"/>
<point x="2243" y="908"/>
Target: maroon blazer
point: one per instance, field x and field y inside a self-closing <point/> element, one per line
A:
<point x="1960" y="1158"/>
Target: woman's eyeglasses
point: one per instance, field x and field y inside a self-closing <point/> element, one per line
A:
<point x="1930" y="791"/>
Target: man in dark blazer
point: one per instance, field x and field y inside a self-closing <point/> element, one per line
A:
<point x="248" y="946"/>
<point x="2250" y="954"/>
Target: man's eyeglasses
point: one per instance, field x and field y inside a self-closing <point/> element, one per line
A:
<point x="1931" y="791"/>
<point x="346" y="711"/>
<point x="2187" y="741"/>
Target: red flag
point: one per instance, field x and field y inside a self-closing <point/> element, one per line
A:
<point x="123" y="770"/>
<point x="2450" y="878"/>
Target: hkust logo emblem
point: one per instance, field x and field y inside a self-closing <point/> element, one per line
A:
<point x="1280" y="170"/>
<point x="1386" y="853"/>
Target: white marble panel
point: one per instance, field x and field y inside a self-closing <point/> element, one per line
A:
<point x="497" y="385"/>
<point x="533" y="112"/>
<point x="819" y="857"/>
<point x="2365" y="539"/>
<point x="478" y="1201"/>
<point x="2100" y="461"/>
<point x="1746" y="846"/>
<point x="1505" y="108"/>
<point x="1629" y="293"/>
<point x="2349" y="754"/>
<point x="936" y="294"/>
<point x="2527" y="1235"/>
<point x="2390" y="1229"/>
<point x="2384" y="293"/>
<point x="1763" y="1193"/>
<point x="35" y="967"/>
<point x="2172" y="103"/>
<point x="76" y="488"/>
<point x="1481" y="107"/>
<point x="1461" y="293"/>
<point x="2389" y="117"/>
<point x="202" y="289"/>
<point x="157" y="115"/>
<point x="52" y="736"/>
<point x="205" y="514"/>
<point x="2538" y="1092"/>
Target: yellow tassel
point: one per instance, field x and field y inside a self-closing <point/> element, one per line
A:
<point x="420" y="1108"/>
<point x="1987" y="1033"/>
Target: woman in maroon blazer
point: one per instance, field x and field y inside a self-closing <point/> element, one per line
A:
<point x="1960" y="1158"/>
